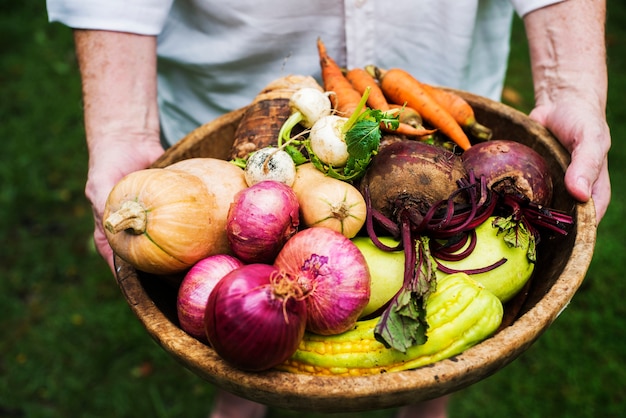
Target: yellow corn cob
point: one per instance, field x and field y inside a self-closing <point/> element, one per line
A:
<point x="460" y="313"/>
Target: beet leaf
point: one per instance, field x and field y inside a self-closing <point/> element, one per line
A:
<point x="403" y="323"/>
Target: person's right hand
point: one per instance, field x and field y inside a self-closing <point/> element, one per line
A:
<point x="108" y="164"/>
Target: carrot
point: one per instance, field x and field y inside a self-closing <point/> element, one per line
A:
<point x="345" y="97"/>
<point x="408" y="115"/>
<point x="460" y="110"/>
<point x="401" y="87"/>
<point x="361" y="80"/>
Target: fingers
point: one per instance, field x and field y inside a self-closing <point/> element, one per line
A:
<point x="103" y="247"/>
<point x="588" y="140"/>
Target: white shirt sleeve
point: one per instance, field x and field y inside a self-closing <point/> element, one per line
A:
<point x="145" y="17"/>
<point x="523" y="7"/>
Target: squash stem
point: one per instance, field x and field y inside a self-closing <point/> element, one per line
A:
<point x="131" y="216"/>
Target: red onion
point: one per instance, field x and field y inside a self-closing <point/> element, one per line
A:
<point x="255" y="317"/>
<point x="195" y="289"/>
<point x="333" y="274"/>
<point x="260" y="220"/>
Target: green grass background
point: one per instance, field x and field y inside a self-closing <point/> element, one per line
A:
<point x="69" y="344"/>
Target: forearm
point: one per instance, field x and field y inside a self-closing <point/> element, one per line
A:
<point x="568" y="58"/>
<point x="118" y="72"/>
<point x="567" y="50"/>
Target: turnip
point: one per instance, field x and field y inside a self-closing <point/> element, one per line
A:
<point x="270" y="163"/>
<point x="310" y="105"/>
<point x="307" y="105"/>
<point x="327" y="139"/>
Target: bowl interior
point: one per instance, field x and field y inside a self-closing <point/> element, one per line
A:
<point x="561" y="267"/>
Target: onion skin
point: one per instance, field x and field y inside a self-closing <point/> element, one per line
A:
<point x="251" y="322"/>
<point x="195" y="288"/>
<point x="512" y="168"/>
<point x="260" y="220"/>
<point x="333" y="274"/>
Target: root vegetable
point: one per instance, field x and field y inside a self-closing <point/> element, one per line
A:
<point x="401" y="87"/>
<point x="511" y="168"/>
<point x="344" y="97"/>
<point x="310" y="104"/>
<point x="264" y="118"/>
<point x="416" y="191"/>
<point x="460" y="110"/>
<point x="361" y="80"/>
<point x="328" y="142"/>
<point x="408" y="177"/>
<point x="270" y="163"/>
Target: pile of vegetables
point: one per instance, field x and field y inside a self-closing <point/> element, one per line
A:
<point x="373" y="226"/>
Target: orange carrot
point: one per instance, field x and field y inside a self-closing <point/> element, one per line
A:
<point x="401" y="87"/>
<point x="460" y="110"/>
<point x="345" y="98"/>
<point x="361" y="80"/>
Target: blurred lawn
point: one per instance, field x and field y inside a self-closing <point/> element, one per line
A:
<point x="70" y="345"/>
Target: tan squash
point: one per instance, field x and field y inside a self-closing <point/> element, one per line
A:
<point x="329" y="202"/>
<point x="160" y="221"/>
<point x="223" y="180"/>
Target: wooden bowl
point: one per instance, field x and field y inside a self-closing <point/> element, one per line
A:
<point x="561" y="268"/>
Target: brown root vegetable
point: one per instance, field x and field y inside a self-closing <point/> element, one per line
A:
<point x="511" y="168"/>
<point x="411" y="175"/>
<point x="267" y="113"/>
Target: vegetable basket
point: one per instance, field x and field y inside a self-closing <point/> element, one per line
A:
<point x="561" y="267"/>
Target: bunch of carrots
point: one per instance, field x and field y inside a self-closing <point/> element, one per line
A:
<point x="441" y="109"/>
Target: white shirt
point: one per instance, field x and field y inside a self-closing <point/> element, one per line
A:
<point x="215" y="56"/>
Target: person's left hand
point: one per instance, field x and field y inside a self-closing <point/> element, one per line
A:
<point x="584" y="132"/>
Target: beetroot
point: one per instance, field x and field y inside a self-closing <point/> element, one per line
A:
<point x="415" y="190"/>
<point x="511" y="168"/>
<point x="411" y="176"/>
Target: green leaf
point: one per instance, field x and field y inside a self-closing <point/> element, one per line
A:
<point x="517" y="235"/>
<point x="403" y="324"/>
<point x="363" y="138"/>
<point x="296" y="155"/>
